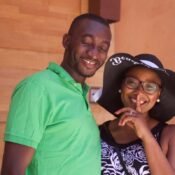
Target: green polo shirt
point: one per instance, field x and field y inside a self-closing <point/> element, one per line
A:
<point x="50" y="113"/>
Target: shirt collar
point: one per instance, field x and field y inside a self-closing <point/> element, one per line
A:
<point x="66" y="76"/>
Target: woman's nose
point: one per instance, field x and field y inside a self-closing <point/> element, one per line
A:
<point x="140" y="88"/>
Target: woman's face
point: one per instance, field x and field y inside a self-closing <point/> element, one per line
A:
<point x="140" y="88"/>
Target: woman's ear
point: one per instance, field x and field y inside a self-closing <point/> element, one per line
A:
<point x="158" y="98"/>
<point x="66" y="40"/>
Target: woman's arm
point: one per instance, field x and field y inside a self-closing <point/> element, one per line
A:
<point x="161" y="161"/>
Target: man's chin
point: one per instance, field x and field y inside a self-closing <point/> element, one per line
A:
<point x="88" y="74"/>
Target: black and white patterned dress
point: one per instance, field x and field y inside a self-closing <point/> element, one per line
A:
<point x="133" y="156"/>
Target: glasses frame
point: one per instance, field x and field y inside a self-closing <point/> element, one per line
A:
<point x="142" y="84"/>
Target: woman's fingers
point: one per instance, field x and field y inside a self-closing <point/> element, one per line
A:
<point x="127" y="117"/>
<point x="138" y="107"/>
<point x="124" y="110"/>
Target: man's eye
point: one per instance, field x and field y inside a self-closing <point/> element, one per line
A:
<point x="103" y="49"/>
<point x="86" y="43"/>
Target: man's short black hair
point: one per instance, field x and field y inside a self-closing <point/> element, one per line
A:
<point x="88" y="16"/>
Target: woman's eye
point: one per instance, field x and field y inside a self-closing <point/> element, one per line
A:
<point x="131" y="82"/>
<point x="151" y="86"/>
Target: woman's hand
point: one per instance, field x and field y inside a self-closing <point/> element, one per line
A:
<point x="134" y="119"/>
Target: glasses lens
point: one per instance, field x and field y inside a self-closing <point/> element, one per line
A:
<point x="150" y="88"/>
<point x="131" y="83"/>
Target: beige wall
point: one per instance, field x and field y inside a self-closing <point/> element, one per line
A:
<point x="144" y="26"/>
<point x="147" y="26"/>
<point x="31" y="32"/>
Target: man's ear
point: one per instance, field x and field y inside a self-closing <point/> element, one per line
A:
<point x="66" y="40"/>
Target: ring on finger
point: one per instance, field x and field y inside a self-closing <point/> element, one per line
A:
<point x="132" y="113"/>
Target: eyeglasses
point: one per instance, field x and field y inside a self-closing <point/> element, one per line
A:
<point x="148" y="87"/>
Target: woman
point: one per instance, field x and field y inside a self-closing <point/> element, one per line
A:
<point x="141" y="94"/>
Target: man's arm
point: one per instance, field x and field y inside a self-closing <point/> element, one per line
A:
<point x="16" y="158"/>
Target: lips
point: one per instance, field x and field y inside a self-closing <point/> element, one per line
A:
<point x="89" y="63"/>
<point x="141" y="101"/>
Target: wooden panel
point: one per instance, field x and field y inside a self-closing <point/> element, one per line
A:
<point x="2" y="127"/>
<point x="31" y="36"/>
<point x="8" y="80"/>
<point x="29" y="41"/>
<point x="3" y="116"/>
<point x="1" y="151"/>
<point x="65" y="6"/>
<point x="11" y="76"/>
<point x="10" y="2"/>
<point x="30" y="30"/>
<point x="27" y="59"/>
<point x="45" y="6"/>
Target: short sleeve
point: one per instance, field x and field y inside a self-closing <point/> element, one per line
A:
<point x="28" y="114"/>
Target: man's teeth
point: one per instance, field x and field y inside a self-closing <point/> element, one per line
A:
<point x="89" y="62"/>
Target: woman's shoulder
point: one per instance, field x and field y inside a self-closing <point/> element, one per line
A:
<point x="168" y="137"/>
<point x="169" y="130"/>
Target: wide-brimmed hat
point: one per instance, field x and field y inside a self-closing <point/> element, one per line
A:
<point x="114" y="70"/>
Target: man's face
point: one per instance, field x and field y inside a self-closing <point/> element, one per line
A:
<point x="86" y="48"/>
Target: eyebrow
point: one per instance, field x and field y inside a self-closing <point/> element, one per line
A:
<point x="148" y="81"/>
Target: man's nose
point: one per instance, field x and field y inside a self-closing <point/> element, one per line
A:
<point x="93" y="52"/>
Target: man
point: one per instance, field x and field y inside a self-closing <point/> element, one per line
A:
<point x="50" y="128"/>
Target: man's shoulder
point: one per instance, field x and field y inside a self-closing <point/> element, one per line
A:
<point x="33" y="81"/>
<point x="38" y="77"/>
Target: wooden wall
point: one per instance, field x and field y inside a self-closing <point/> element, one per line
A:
<point x="30" y="37"/>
